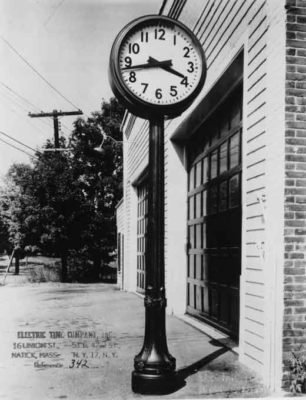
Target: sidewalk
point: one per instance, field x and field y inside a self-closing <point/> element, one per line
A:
<point x="102" y="364"/>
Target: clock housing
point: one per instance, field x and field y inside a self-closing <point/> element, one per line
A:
<point x="157" y="67"/>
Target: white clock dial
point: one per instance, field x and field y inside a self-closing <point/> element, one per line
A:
<point x="159" y="63"/>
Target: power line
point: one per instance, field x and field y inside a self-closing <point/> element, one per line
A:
<point x="24" y="99"/>
<point x="37" y="72"/>
<point x="54" y="11"/>
<point x="20" y="114"/>
<point x="28" y="102"/>
<point x="49" y="125"/>
<point x="17" y="148"/>
<point x="19" y="95"/>
<point x="14" y="101"/>
<point x="17" y="141"/>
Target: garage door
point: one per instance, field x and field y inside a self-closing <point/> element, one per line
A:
<point x="214" y="218"/>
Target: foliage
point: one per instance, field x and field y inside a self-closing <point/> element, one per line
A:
<point x="61" y="210"/>
<point x="298" y="374"/>
<point x="4" y="236"/>
<point x="100" y="177"/>
<point x="64" y="204"/>
<point x="81" y="268"/>
<point x="31" y="250"/>
<point x="17" y="206"/>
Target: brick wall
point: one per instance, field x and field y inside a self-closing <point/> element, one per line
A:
<point x="294" y="330"/>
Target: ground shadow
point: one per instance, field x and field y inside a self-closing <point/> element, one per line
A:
<point x="183" y="373"/>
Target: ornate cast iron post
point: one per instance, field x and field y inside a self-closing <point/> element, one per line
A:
<point x="154" y="366"/>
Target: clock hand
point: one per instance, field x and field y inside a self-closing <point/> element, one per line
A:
<point x="166" y="63"/>
<point x="167" y="68"/>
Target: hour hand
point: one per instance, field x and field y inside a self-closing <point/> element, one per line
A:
<point x="150" y="64"/>
<point x="166" y="67"/>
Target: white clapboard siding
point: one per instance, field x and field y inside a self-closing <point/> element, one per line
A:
<point x="255" y="183"/>
<point x="256" y="129"/>
<point x="251" y="325"/>
<point x="254" y="262"/>
<point x="254" y="235"/>
<point x="252" y="249"/>
<point x="138" y="148"/>
<point x="253" y="209"/>
<point x="256" y="142"/>
<point x="256" y="168"/>
<point x="255" y="275"/>
<point x="254" y="353"/>
<point x="254" y="301"/>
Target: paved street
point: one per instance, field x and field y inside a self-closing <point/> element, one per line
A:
<point x="99" y="366"/>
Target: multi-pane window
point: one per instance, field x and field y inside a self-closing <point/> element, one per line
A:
<point x="214" y="217"/>
<point x="142" y="217"/>
<point x="120" y="251"/>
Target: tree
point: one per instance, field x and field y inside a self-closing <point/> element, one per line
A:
<point x="100" y="175"/>
<point x="4" y="236"/>
<point x="62" y="209"/>
<point x="65" y="202"/>
<point x="17" y="207"/>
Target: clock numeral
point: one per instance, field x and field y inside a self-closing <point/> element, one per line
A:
<point x="158" y="93"/>
<point x="187" y="51"/>
<point x="161" y="33"/>
<point x="184" y="81"/>
<point x="134" y="48"/>
<point x="144" y="36"/>
<point x="145" y="86"/>
<point x="132" y="77"/>
<point x="174" y="39"/>
<point x="128" y="61"/>
<point x="173" y="91"/>
<point x="191" y="66"/>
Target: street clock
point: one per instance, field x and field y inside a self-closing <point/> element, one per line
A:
<point x="157" y="67"/>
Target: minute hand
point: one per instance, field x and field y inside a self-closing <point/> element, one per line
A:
<point x="151" y="64"/>
<point x="167" y="68"/>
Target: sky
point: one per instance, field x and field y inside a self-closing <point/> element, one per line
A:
<point x="64" y="44"/>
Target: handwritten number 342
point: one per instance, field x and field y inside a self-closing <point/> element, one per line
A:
<point x="78" y="364"/>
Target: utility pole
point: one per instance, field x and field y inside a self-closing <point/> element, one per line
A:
<point x="55" y="114"/>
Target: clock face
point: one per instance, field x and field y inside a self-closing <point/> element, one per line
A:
<point x="157" y="65"/>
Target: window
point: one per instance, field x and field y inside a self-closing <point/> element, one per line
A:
<point x="142" y="218"/>
<point x="214" y="224"/>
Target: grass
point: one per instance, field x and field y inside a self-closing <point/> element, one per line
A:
<point x="33" y="269"/>
<point x="43" y="273"/>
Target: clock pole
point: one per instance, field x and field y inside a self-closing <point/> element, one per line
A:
<point x="154" y="371"/>
<point x="145" y="96"/>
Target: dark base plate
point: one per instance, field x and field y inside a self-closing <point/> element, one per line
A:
<point x="156" y="384"/>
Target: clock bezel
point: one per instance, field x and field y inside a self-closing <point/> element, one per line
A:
<point x="135" y="104"/>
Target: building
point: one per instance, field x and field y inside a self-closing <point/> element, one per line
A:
<point x="235" y="183"/>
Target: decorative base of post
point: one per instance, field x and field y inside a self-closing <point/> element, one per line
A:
<point x="155" y="384"/>
<point x="154" y="371"/>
